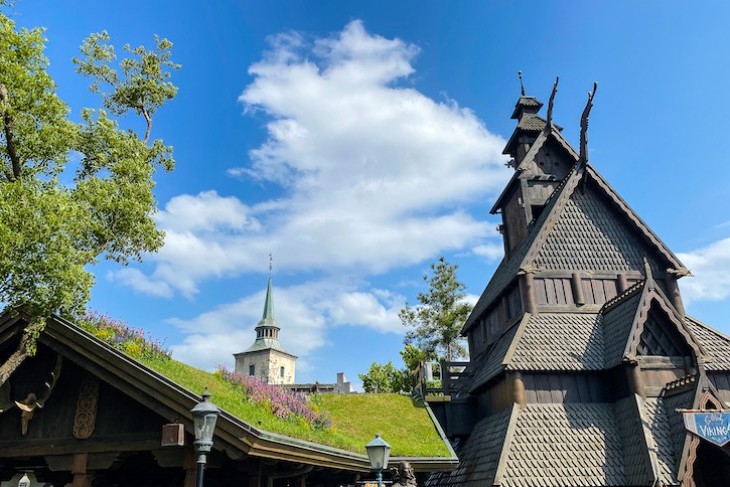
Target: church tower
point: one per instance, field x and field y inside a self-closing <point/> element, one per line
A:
<point x="266" y="359"/>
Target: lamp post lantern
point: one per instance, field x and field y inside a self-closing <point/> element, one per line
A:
<point x="205" y="414"/>
<point x="378" y="454"/>
<point x="24" y="481"/>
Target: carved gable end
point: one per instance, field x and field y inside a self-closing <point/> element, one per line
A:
<point x="661" y="338"/>
<point x="658" y="330"/>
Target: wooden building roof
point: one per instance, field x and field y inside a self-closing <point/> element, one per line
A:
<point x="146" y="394"/>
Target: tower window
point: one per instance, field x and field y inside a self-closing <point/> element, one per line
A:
<point x="251" y="370"/>
<point x="281" y="372"/>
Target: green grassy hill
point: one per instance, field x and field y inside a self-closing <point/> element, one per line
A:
<point x="354" y="418"/>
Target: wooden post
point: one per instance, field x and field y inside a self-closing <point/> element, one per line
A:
<point x="78" y="468"/>
<point x="637" y="382"/>
<point x="190" y="465"/>
<point x="674" y="294"/>
<point x="527" y="288"/>
<point x="577" y="284"/>
<point x="519" y="390"/>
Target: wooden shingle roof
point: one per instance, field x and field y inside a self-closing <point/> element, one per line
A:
<point x="581" y="230"/>
<point x="480" y="455"/>
<point x="564" y="445"/>
<point x="715" y="344"/>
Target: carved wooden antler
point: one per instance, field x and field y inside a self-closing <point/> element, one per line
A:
<point x="55" y="374"/>
<point x="584" y="126"/>
<point x="549" y="125"/>
<point x="34" y="401"/>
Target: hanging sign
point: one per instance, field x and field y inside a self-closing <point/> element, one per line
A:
<point x="713" y="426"/>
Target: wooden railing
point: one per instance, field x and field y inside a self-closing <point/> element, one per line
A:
<point x="450" y="373"/>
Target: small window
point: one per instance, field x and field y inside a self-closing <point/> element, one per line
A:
<point x="251" y="370"/>
<point x="281" y="372"/>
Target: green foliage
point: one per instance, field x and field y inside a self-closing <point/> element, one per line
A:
<point x="385" y="378"/>
<point x="436" y="322"/>
<point x="413" y="356"/>
<point x="50" y="231"/>
<point x="135" y="342"/>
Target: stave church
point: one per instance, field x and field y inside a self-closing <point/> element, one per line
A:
<point x="585" y="369"/>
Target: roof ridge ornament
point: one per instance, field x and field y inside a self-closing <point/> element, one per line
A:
<point x="583" y="157"/>
<point x="549" y="125"/>
<point x="648" y="276"/>
<point x="522" y="84"/>
<point x="584" y="127"/>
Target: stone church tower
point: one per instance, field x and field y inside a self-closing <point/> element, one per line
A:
<point x="266" y="359"/>
<point x="585" y="369"/>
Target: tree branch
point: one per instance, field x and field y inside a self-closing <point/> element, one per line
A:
<point x="148" y="119"/>
<point x="8" y="129"/>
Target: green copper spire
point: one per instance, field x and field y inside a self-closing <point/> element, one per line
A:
<point x="268" y="317"/>
<point x="267" y="320"/>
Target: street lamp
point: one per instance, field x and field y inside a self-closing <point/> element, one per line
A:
<point x="378" y="454"/>
<point x="24" y="481"/>
<point x="205" y="414"/>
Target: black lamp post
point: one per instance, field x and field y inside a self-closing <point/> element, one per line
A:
<point x="378" y="454"/>
<point x="205" y="414"/>
<point x="24" y="481"/>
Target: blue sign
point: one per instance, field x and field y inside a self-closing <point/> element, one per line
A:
<point x="711" y="426"/>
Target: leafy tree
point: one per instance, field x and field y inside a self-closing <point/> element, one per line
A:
<point x="436" y="322"/>
<point x="413" y="357"/>
<point x="382" y="378"/>
<point x="72" y="192"/>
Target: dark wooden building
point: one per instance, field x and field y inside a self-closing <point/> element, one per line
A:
<point x="82" y="413"/>
<point x="584" y="364"/>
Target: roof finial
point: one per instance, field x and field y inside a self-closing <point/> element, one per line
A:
<point x="584" y="127"/>
<point x="549" y="125"/>
<point x="271" y="263"/>
<point x="522" y="85"/>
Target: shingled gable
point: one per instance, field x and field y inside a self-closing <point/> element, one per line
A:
<point x="528" y="165"/>
<point x="559" y="237"/>
<point x="134" y="396"/>
<point x="625" y="322"/>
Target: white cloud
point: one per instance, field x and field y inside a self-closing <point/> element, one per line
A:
<point x="304" y="312"/>
<point x="374" y="173"/>
<point x="711" y="268"/>
<point x="489" y="250"/>
<point x="206" y="212"/>
<point x="141" y="283"/>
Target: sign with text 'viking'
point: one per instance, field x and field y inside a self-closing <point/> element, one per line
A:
<point x="711" y="426"/>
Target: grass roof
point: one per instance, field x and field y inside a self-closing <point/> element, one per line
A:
<point x="354" y="418"/>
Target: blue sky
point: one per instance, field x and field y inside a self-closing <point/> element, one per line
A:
<point x="359" y="141"/>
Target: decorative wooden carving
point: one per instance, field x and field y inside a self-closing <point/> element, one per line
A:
<point x="549" y="125"/>
<point x="32" y="401"/>
<point x="86" y="406"/>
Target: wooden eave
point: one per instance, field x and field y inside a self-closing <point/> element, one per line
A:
<point x="170" y="400"/>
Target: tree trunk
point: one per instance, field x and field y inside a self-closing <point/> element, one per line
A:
<point x="14" y="361"/>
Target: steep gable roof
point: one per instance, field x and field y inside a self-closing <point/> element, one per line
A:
<point x="585" y="225"/>
<point x="627" y="317"/>
<point x="528" y="165"/>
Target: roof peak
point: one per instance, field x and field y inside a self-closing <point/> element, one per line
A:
<point x="267" y="319"/>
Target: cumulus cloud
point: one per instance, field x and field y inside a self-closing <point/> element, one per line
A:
<point x="305" y="315"/>
<point x="711" y="268"/>
<point x="374" y="174"/>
